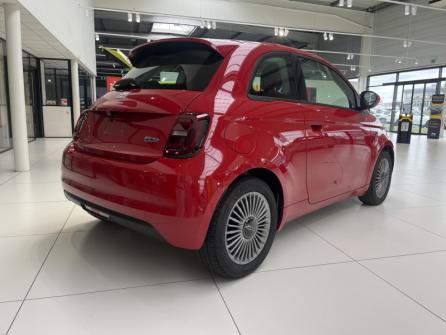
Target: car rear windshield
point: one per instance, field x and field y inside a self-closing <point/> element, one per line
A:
<point x="175" y="66"/>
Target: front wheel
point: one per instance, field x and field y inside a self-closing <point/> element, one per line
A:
<point x="242" y="229"/>
<point x="380" y="183"/>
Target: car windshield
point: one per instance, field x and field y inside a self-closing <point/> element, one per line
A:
<point x="175" y="68"/>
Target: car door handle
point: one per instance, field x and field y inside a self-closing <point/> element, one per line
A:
<point x="316" y="126"/>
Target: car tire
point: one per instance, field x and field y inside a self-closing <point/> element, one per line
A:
<point x="242" y="229"/>
<point x="380" y="182"/>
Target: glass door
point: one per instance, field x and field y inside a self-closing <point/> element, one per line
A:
<point x="414" y="99"/>
<point x="417" y="107"/>
<point x="431" y="89"/>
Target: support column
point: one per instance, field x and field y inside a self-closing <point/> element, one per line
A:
<point x="364" y="63"/>
<point x="76" y="100"/>
<point x="93" y="91"/>
<point x="16" y="86"/>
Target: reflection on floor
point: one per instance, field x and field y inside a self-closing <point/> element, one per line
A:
<point x="347" y="269"/>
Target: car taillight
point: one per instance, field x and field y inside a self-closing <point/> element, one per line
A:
<point x="79" y="124"/>
<point x="187" y="135"/>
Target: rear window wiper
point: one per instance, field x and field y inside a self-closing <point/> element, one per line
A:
<point x="126" y="84"/>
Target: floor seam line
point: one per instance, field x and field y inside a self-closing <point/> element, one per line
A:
<point x="117" y="289"/>
<point x="226" y="305"/>
<point x="402" y="255"/>
<point x="417" y="226"/>
<point x="38" y="272"/>
<point x="402" y="292"/>
<point x="384" y="280"/>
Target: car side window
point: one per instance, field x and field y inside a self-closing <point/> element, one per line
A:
<point x="325" y="86"/>
<point x="274" y="78"/>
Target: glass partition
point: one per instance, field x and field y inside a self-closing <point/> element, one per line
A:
<point x="5" y="133"/>
<point x="57" y="85"/>
<point x="85" y="89"/>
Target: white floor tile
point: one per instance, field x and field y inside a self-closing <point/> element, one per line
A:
<point x="398" y="198"/>
<point x="422" y="277"/>
<point x="20" y="260"/>
<point x="376" y="234"/>
<point x="296" y="246"/>
<point x="193" y="307"/>
<point x="435" y="191"/>
<point x="33" y="218"/>
<point x="37" y="192"/>
<point x="108" y="257"/>
<point x="7" y="313"/>
<point x="80" y="220"/>
<point x="430" y="218"/>
<point x="332" y="299"/>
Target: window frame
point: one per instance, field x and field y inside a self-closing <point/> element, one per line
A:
<point x="356" y="106"/>
<point x="290" y="57"/>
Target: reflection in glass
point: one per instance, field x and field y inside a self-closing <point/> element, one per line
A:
<point x="430" y="90"/>
<point x="383" y="111"/>
<point x="419" y="74"/>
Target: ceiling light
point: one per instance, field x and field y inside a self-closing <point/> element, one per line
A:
<point x="129" y="17"/>
<point x="353" y="68"/>
<point x="214" y="25"/>
<point x="370" y="70"/>
<point x="97" y="37"/>
<point x="138" y="17"/>
<point x="414" y="10"/>
<point x="281" y="32"/>
<point x="341" y="3"/>
<point x="416" y="62"/>
<point x="201" y="24"/>
<point x="406" y="10"/>
<point x="331" y="36"/>
<point x="286" y="31"/>
<point x="325" y="36"/>
<point x="349" y="3"/>
<point x="405" y="43"/>
<point x="276" y="31"/>
<point x="172" y="28"/>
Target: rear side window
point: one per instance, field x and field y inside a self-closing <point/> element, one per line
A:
<point x="274" y="78"/>
<point x="175" y="66"/>
<point x="325" y="86"/>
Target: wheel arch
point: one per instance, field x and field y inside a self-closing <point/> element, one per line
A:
<point x="271" y="179"/>
<point x="389" y="148"/>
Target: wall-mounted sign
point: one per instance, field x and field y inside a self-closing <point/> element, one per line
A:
<point x="436" y="122"/>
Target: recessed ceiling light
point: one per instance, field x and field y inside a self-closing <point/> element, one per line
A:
<point x="172" y="28"/>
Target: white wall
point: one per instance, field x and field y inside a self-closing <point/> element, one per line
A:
<point x="426" y="25"/>
<point x="71" y="23"/>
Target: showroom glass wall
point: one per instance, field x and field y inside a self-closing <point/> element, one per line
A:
<point x="407" y="92"/>
<point x="85" y="89"/>
<point x="5" y="121"/>
<point x="32" y="105"/>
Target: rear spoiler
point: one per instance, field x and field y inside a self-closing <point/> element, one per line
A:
<point x="222" y="48"/>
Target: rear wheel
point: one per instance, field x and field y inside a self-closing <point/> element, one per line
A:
<point x="380" y="183"/>
<point x="242" y="229"/>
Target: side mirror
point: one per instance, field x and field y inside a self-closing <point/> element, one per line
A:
<point x="369" y="100"/>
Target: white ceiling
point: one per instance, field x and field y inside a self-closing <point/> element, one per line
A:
<point x="357" y="4"/>
<point x="36" y="39"/>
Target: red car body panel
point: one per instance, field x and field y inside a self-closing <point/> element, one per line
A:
<point x="319" y="154"/>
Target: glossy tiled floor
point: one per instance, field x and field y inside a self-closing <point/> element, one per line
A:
<point x="347" y="269"/>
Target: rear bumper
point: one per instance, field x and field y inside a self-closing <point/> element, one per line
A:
<point x="175" y="197"/>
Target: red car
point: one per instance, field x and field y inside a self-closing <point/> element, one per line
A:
<point x="218" y="144"/>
